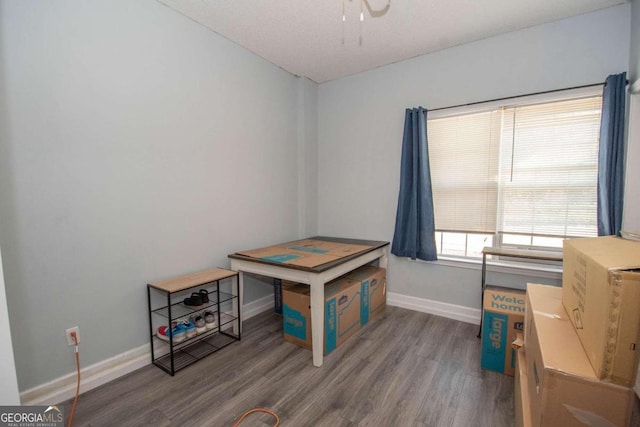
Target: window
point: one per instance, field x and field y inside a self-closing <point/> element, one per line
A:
<point x="522" y="175"/>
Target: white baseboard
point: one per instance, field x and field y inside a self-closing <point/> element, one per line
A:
<point x="256" y="307"/>
<point x="451" y="311"/>
<point x="64" y="388"/>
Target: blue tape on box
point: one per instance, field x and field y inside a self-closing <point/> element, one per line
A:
<point x="365" y="301"/>
<point x="330" y="326"/>
<point x="495" y="328"/>
<point x="295" y="324"/>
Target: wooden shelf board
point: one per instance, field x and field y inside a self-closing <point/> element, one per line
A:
<point x="194" y="279"/>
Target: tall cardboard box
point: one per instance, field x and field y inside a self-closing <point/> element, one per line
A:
<point x="342" y="310"/>
<point x="296" y="315"/>
<point x="374" y="290"/>
<point x="502" y="319"/>
<point x="601" y="292"/>
<point x="521" y="397"/>
<point x="563" y="387"/>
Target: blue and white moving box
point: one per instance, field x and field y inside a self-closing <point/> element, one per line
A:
<point x="296" y="315"/>
<point x="373" y="282"/>
<point x="502" y="318"/>
<point x="342" y="313"/>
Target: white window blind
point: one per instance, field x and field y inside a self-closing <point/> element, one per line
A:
<point x="523" y="169"/>
<point x="463" y="157"/>
<point x="549" y="171"/>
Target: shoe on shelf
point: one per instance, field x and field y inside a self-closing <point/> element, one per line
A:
<point x="189" y="328"/>
<point x="210" y="319"/>
<point x="179" y="334"/>
<point x="199" y="322"/>
<point x="194" y="300"/>
<point x="204" y="295"/>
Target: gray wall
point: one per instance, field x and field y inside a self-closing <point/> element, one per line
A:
<point x="136" y="145"/>
<point x="9" y="393"/>
<point x="360" y="122"/>
<point x="307" y="157"/>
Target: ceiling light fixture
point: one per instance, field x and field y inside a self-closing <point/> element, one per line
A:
<point x="374" y="13"/>
<point x="377" y="13"/>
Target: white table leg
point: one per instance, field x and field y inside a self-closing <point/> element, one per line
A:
<point x="384" y="258"/>
<point x="317" y="319"/>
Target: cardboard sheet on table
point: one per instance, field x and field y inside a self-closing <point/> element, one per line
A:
<point x="305" y="253"/>
<point x="288" y="256"/>
<point x="310" y="245"/>
<point x="323" y="247"/>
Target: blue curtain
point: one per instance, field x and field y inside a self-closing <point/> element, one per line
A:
<point x="414" y="234"/>
<point x="611" y="155"/>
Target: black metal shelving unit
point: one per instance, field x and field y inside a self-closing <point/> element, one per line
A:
<point x="166" y="305"/>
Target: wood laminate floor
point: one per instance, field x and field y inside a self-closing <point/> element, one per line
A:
<point x="404" y="368"/>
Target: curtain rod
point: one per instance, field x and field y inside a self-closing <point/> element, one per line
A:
<point x="518" y="96"/>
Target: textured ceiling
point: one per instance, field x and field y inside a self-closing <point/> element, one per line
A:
<point x="309" y="38"/>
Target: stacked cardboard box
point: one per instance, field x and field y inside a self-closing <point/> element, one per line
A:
<point x="601" y="292"/>
<point x="350" y="302"/>
<point x="521" y="399"/>
<point x="580" y="356"/>
<point x="561" y="385"/>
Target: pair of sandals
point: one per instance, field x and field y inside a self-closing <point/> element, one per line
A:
<point x="197" y="298"/>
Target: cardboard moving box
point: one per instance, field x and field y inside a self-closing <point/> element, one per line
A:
<point x="343" y="298"/>
<point x="374" y="290"/>
<point x="563" y="387"/>
<point x="296" y="315"/>
<point x="521" y="398"/>
<point x="502" y="319"/>
<point x="601" y="293"/>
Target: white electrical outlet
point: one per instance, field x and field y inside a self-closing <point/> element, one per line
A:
<point x="68" y="332"/>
